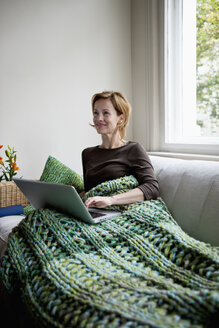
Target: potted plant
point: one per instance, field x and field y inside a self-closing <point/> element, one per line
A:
<point x="9" y="168"/>
<point x="9" y="193"/>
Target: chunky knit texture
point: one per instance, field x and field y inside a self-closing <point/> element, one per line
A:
<point x="57" y="172"/>
<point x="137" y="270"/>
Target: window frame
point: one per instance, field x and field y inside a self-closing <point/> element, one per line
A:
<point x="199" y="145"/>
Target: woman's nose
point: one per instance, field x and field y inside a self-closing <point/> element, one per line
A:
<point x="99" y="117"/>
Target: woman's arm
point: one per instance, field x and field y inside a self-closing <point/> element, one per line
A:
<point x="131" y="196"/>
<point x="81" y="194"/>
<point x="143" y="171"/>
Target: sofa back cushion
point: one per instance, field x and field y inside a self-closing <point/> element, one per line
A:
<point x="190" y="189"/>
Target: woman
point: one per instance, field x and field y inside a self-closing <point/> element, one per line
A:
<point x="116" y="157"/>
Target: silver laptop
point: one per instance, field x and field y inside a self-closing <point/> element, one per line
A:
<point x="63" y="198"/>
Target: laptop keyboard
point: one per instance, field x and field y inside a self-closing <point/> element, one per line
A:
<point x="95" y="214"/>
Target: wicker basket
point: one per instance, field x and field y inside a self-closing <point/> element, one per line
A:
<point x="10" y="195"/>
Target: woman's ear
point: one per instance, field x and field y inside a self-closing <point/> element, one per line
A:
<point x="120" y="121"/>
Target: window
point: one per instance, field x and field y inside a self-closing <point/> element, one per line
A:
<point x="191" y="76"/>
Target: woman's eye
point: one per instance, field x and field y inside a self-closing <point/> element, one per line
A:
<point x="106" y="113"/>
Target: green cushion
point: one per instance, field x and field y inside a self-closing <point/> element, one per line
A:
<point x="56" y="172"/>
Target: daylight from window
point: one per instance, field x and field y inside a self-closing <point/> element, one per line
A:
<point x="191" y="71"/>
<point x="207" y="67"/>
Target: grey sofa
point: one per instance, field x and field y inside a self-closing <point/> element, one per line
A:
<point x="190" y="188"/>
<point x="191" y="192"/>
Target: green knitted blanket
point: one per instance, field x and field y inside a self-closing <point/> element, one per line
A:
<point x="137" y="270"/>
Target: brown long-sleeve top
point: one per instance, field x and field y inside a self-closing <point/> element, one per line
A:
<point x="100" y="165"/>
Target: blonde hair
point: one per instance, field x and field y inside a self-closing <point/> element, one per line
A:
<point x="121" y="105"/>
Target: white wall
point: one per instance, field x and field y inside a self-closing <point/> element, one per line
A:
<point x="54" y="55"/>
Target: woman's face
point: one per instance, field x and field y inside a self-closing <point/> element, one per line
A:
<point x="105" y="117"/>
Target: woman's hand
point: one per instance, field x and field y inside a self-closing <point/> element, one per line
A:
<point x="128" y="197"/>
<point x="98" y="201"/>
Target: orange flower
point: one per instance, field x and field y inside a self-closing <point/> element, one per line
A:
<point x="15" y="167"/>
<point x="1" y="161"/>
<point x="1" y="146"/>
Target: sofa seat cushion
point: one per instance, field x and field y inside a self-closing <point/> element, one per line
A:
<point x="7" y="223"/>
<point x="190" y="188"/>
